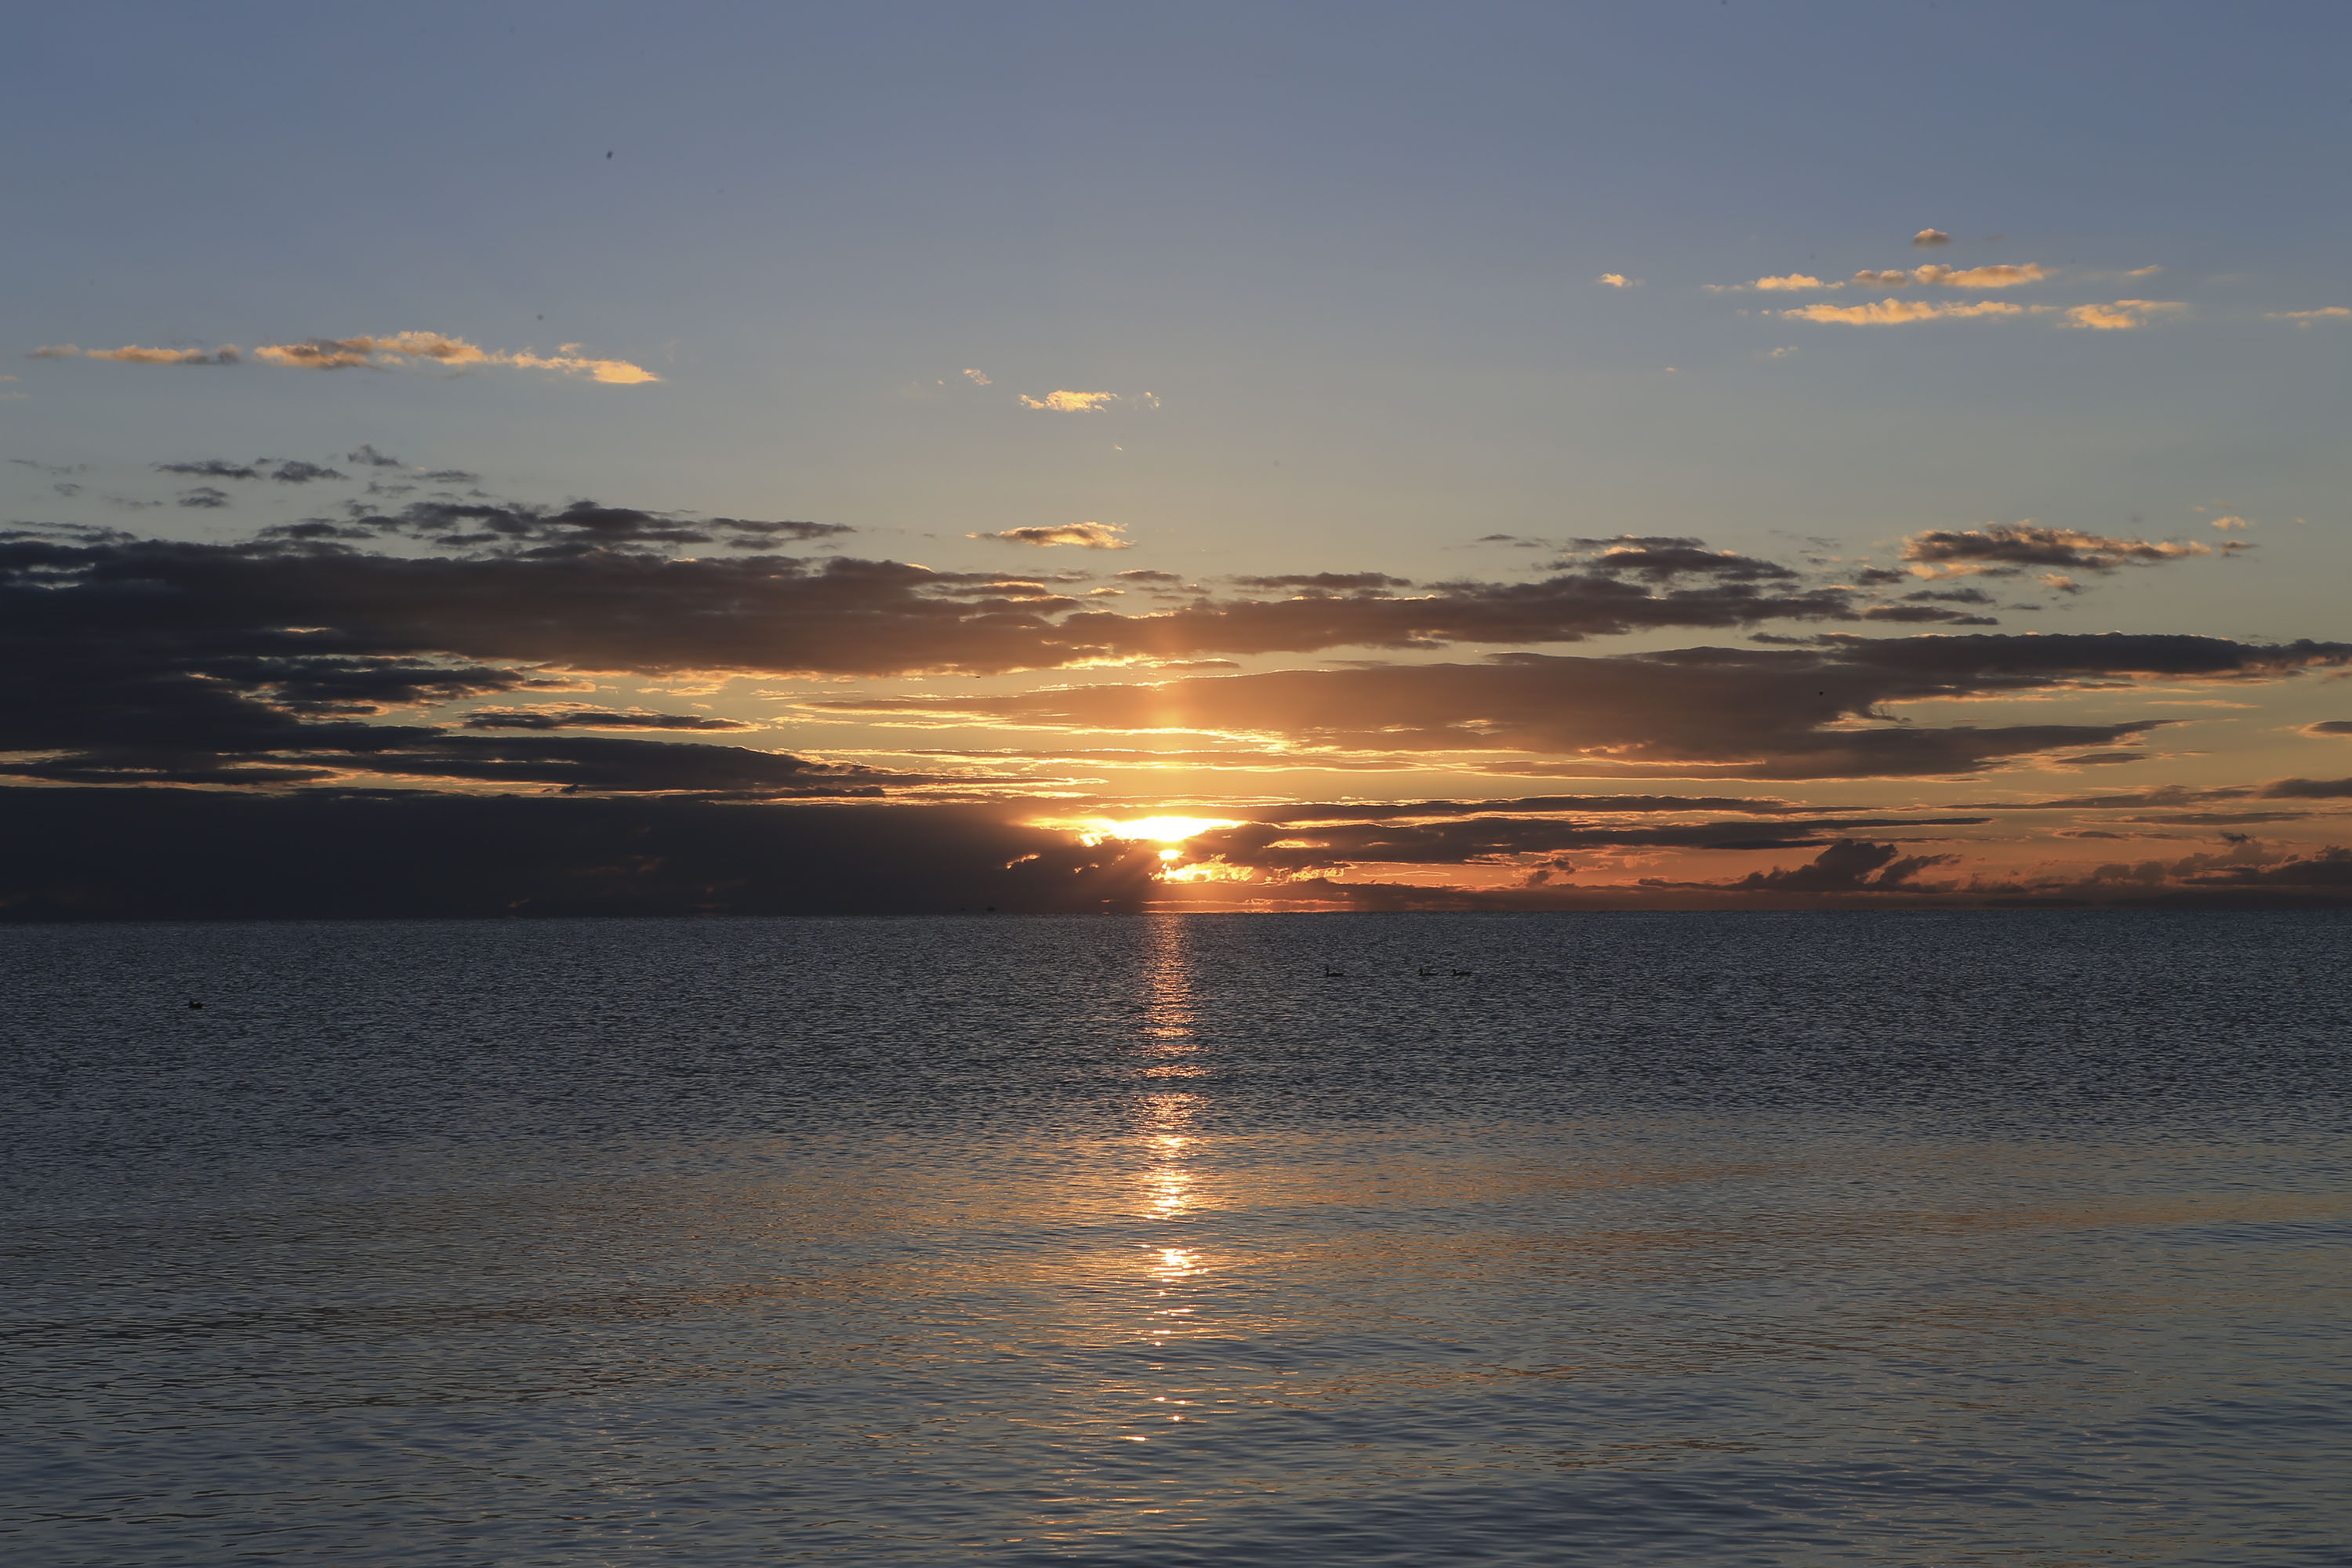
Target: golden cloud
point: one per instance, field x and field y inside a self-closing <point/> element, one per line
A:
<point x="1085" y="535"/>
<point x="1068" y="402"/>
<point x="1892" y="312"/>
<point x="1997" y="277"/>
<point x="2305" y="317"/>
<point x="130" y="354"/>
<point x="2121" y="315"/>
<point x="438" y="348"/>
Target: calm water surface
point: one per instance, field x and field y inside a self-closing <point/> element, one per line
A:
<point x="1937" y="1239"/>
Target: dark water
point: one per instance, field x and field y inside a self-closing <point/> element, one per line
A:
<point x="1937" y="1239"/>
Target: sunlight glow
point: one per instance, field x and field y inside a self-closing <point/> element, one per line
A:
<point x="1165" y="829"/>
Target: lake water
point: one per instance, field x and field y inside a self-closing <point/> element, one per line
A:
<point x="1759" y="1240"/>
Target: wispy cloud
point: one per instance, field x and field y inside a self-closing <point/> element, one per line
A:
<point x="1618" y="280"/>
<point x="2004" y="549"/>
<point x="1895" y="312"/>
<point x="131" y="353"/>
<point x="979" y="377"/>
<point x="438" y="348"/>
<point x="1068" y="402"/>
<point x="394" y="350"/>
<point x="2305" y="317"/>
<point x="1085" y="535"/>
<point x="1995" y="276"/>
<point x="2122" y="315"/>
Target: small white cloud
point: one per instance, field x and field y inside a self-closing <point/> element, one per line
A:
<point x="1791" y="283"/>
<point x="1778" y="354"/>
<point x="1618" y="280"/>
<point x="2231" y="522"/>
<point x="1931" y="237"/>
<point x="978" y="378"/>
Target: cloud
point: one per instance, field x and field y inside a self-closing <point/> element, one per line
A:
<point x="978" y="378"/>
<point x="1796" y="714"/>
<point x="1997" y="277"/>
<point x="595" y="587"/>
<point x="1845" y="866"/>
<point x="130" y="354"/>
<point x="368" y="456"/>
<point x="1085" y="535"/>
<point x="439" y="348"/>
<point x="1794" y="281"/>
<point x="2121" y="315"/>
<point x="1930" y="236"/>
<point x="1494" y="833"/>
<point x="578" y="716"/>
<point x="204" y="497"/>
<point x="2305" y="318"/>
<point x="2231" y="523"/>
<point x="1618" y="280"/>
<point x="583" y="527"/>
<point x="2329" y="727"/>
<point x="1896" y="313"/>
<point x="2004" y="549"/>
<point x="298" y="473"/>
<point x="211" y="469"/>
<point x="1664" y="557"/>
<point x="1068" y="402"/>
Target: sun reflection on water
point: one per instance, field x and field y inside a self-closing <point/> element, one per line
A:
<point x="1174" y="1267"/>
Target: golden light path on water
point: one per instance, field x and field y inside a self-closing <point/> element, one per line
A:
<point x="1166" y="1036"/>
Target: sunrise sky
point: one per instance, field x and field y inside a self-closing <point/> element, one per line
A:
<point x="1695" y="455"/>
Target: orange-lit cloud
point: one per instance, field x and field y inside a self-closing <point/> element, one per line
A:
<point x="1618" y="280"/>
<point x="2006" y="549"/>
<point x="438" y="348"/>
<point x="1995" y="276"/>
<point x="1896" y="313"/>
<point x="130" y="354"/>
<point x="1928" y="237"/>
<point x="1068" y="402"/>
<point x="1084" y="535"/>
<point x="2305" y="318"/>
<point x="2122" y="315"/>
<point x="1813" y="713"/>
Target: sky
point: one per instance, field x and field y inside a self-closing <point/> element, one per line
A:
<point x="573" y="458"/>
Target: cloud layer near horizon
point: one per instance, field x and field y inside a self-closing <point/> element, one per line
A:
<point x="445" y="647"/>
